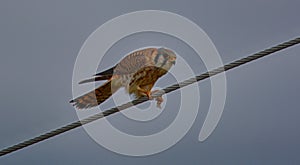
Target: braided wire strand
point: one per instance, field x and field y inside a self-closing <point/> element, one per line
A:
<point x="169" y="89"/>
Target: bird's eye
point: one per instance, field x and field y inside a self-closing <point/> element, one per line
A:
<point x="165" y="56"/>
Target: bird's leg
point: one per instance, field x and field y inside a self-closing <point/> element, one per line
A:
<point x="145" y="92"/>
<point x="149" y="93"/>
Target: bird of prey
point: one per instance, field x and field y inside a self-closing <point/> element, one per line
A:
<point x="137" y="72"/>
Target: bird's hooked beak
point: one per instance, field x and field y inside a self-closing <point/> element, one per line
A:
<point x="173" y="60"/>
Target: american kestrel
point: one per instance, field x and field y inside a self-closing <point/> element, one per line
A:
<point x="137" y="72"/>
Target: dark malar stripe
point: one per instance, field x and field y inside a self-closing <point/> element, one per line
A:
<point x="156" y="58"/>
<point x="164" y="63"/>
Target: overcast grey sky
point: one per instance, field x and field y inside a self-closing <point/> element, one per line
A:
<point x="39" y="43"/>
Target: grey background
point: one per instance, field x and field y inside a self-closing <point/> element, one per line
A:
<point x="39" y="42"/>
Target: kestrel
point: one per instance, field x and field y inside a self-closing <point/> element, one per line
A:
<point x="137" y="72"/>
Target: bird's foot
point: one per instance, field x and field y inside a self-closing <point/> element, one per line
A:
<point x="158" y="99"/>
<point x="149" y="94"/>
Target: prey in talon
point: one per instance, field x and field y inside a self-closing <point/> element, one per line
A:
<point x="137" y="73"/>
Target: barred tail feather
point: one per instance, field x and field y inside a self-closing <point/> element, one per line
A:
<point x="94" y="98"/>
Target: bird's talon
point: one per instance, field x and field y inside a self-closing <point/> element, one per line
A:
<point x="159" y="100"/>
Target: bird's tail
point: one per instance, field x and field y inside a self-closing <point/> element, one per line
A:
<point x="95" y="97"/>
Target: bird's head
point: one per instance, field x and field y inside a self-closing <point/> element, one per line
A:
<point x="165" y="58"/>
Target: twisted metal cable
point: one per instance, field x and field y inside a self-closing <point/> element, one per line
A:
<point x="144" y="99"/>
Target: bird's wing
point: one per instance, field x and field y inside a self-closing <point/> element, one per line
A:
<point x="128" y="65"/>
<point x="135" y="61"/>
<point x="106" y="72"/>
<point x="105" y="75"/>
